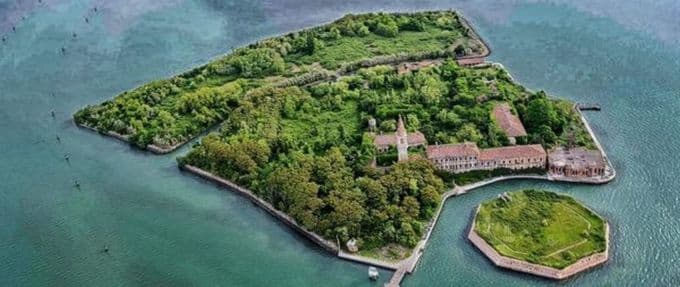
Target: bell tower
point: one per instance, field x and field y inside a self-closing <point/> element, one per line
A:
<point x="402" y="140"/>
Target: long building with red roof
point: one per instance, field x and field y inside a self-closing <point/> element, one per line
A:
<point x="464" y="157"/>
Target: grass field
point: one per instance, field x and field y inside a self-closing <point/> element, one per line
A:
<point x="348" y="49"/>
<point x="541" y="227"/>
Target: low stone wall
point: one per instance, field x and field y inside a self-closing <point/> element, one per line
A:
<point x="465" y="188"/>
<point x="151" y="147"/>
<point x="160" y="150"/>
<point x="108" y="133"/>
<point x="535" y="269"/>
<point x="368" y="261"/>
<point x="610" y="172"/>
<point x="325" y="244"/>
<point x="476" y="36"/>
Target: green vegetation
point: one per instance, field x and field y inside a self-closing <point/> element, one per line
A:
<point x="169" y="112"/>
<point x="307" y="151"/>
<point x="541" y="227"/>
<point x="294" y="113"/>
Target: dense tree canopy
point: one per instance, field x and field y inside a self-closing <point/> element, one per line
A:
<point x="294" y="113"/>
<point x="307" y="150"/>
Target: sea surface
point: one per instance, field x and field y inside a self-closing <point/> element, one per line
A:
<point x="166" y="228"/>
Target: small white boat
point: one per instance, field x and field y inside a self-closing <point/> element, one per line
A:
<point x="373" y="273"/>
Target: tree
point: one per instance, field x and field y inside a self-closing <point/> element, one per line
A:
<point x="348" y="210"/>
<point x="334" y="34"/>
<point x="449" y="119"/>
<point x="312" y="44"/>
<point x="363" y="31"/>
<point x="540" y="112"/>
<point x="407" y="236"/>
<point x="387" y="29"/>
<point x="252" y="63"/>
<point x="429" y="200"/>
<point x="291" y="190"/>
<point x="411" y="207"/>
<point x="388" y="126"/>
<point x="468" y="133"/>
<point x="412" y="122"/>
<point x="375" y="193"/>
<point x="545" y="135"/>
<point x="413" y="24"/>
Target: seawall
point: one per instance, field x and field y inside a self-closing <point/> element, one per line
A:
<point x="151" y="147"/>
<point x="539" y="270"/>
<point x="287" y="220"/>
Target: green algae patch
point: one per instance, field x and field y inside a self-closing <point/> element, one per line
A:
<point x="540" y="227"/>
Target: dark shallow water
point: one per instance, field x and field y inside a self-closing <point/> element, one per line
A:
<point x="164" y="228"/>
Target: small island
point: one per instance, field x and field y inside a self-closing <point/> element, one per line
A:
<point x="355" y="132"/>
<point x="541" y="233"/>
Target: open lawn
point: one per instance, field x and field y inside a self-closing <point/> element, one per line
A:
<point x="541" y="227"/>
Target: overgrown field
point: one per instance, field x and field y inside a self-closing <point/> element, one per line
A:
<point x="541" y="227"/>
<point x="170" y="111"/>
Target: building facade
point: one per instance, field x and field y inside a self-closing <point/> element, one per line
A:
<point x="576" y="162"/>
<point x="457" y="158"/>
<point x="454" y="157"/>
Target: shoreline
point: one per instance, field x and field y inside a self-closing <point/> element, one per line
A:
<point x="409" y="264"/>
<point x="126" y="139"/>
<point x="165" y="150"/>
<point x="517" y="265"/>
<point x="474" y="35"/>
<point x="287" y="220"/>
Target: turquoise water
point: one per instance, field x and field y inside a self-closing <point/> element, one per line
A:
<point x="165" y="228"/>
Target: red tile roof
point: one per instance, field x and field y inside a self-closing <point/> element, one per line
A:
<point x="451" y="150"/>
<point x="508" y="122"/>
<point x="385" y="140"/>
<point x="416" y="138"/>
<point x="511" y="152"/>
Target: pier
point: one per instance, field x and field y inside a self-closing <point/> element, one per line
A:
<point x="588" y="107"/>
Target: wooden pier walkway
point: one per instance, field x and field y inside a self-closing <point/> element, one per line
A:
<point x="397" y="277"/>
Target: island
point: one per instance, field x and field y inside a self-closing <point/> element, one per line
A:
<point x="541" y="233"/>
<point x="354" y="133"/>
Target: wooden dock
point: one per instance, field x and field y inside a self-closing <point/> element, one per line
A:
<point x="397" y="277"/>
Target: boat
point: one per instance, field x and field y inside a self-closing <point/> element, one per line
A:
<point x="373" y="273"/>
